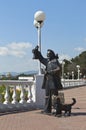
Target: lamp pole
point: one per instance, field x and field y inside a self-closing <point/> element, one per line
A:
<point x="63" y="63"/>
<point x="72" y="75"/>
<point x="68" y="75"/>
<point x="39" y="18"/>
<point x="78" y="67"/>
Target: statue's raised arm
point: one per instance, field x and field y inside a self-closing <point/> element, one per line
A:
<point x="37" y="55"/>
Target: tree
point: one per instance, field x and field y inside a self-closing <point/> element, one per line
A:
<point x="78" y="60"/>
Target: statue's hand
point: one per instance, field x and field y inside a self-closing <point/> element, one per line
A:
<point x="35" y="52"/>
<point x="35" y="49"/>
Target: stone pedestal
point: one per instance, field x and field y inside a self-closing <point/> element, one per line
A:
<point x="40" y="93"/>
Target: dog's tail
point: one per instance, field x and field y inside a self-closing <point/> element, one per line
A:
<point x="74" y="101"/>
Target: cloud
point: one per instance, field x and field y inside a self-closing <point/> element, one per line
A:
<point x="4" y="51"/>
<point x="79" y="49"/>
<point x="15" y="49"/>
<point x="19" y="46"/>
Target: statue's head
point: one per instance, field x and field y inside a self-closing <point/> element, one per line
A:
<point x="50" y="54"/>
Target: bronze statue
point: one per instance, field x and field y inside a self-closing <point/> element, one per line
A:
<point x="52" y="80"/>
<point x="63" y="107"/>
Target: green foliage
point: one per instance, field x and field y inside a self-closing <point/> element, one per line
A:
<point x="2" y="89"/>
<point x="2" y="92"/>
<point x="18" y="92"/>
<point x="71" y="65"/>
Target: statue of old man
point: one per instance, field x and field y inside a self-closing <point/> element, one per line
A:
<point x="52" y="79"/>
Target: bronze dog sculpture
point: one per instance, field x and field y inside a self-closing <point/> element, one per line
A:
<point x="64" y="107"/>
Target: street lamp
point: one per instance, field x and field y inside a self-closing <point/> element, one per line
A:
<point x="39" y="18"/>
<point x="63" y="63"/>
<point x="68" y="74"/>
<point x="78" y="67"/>
<point x="72" y="75"/>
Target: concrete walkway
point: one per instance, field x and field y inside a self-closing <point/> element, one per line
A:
<point x="34" y="120"/>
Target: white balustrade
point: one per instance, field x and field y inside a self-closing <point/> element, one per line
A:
<point x="73" y="83"/>
<point x="35" y="94"/>
<point x="21" y="86"/>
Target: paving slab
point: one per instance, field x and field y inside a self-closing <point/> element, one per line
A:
<point x="35" y="120"/>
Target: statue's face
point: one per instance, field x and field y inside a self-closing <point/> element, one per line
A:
<point x="49" y="54"/>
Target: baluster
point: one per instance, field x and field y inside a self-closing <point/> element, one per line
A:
<point x="7" y="96"/>
<point x="14" y="96"/>
<point x="0" y="99"/>
<point x="22" y="96"/>
<point x="29" y="95"/>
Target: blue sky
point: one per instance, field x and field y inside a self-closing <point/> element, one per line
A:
<point x="64" y="31"/>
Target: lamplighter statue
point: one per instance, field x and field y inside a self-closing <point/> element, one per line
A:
<point x="52" y="80"/>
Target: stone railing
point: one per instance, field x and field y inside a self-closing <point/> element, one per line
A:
<point x="35" y="94"/>
<point x="14" y="104"/>
<point x="68" y="83"/>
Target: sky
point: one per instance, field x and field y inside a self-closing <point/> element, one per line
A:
<point x="63" y="31"/>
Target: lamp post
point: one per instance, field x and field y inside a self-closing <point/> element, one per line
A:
<point x="39" y="18"/>
<point x="78" y="67"/>
<point x="68" y="75"/>
<point x="72" y="75"/>
<point x="63" y="63"/>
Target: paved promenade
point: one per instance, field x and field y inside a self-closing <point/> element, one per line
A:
<point x="34" y="120"/>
